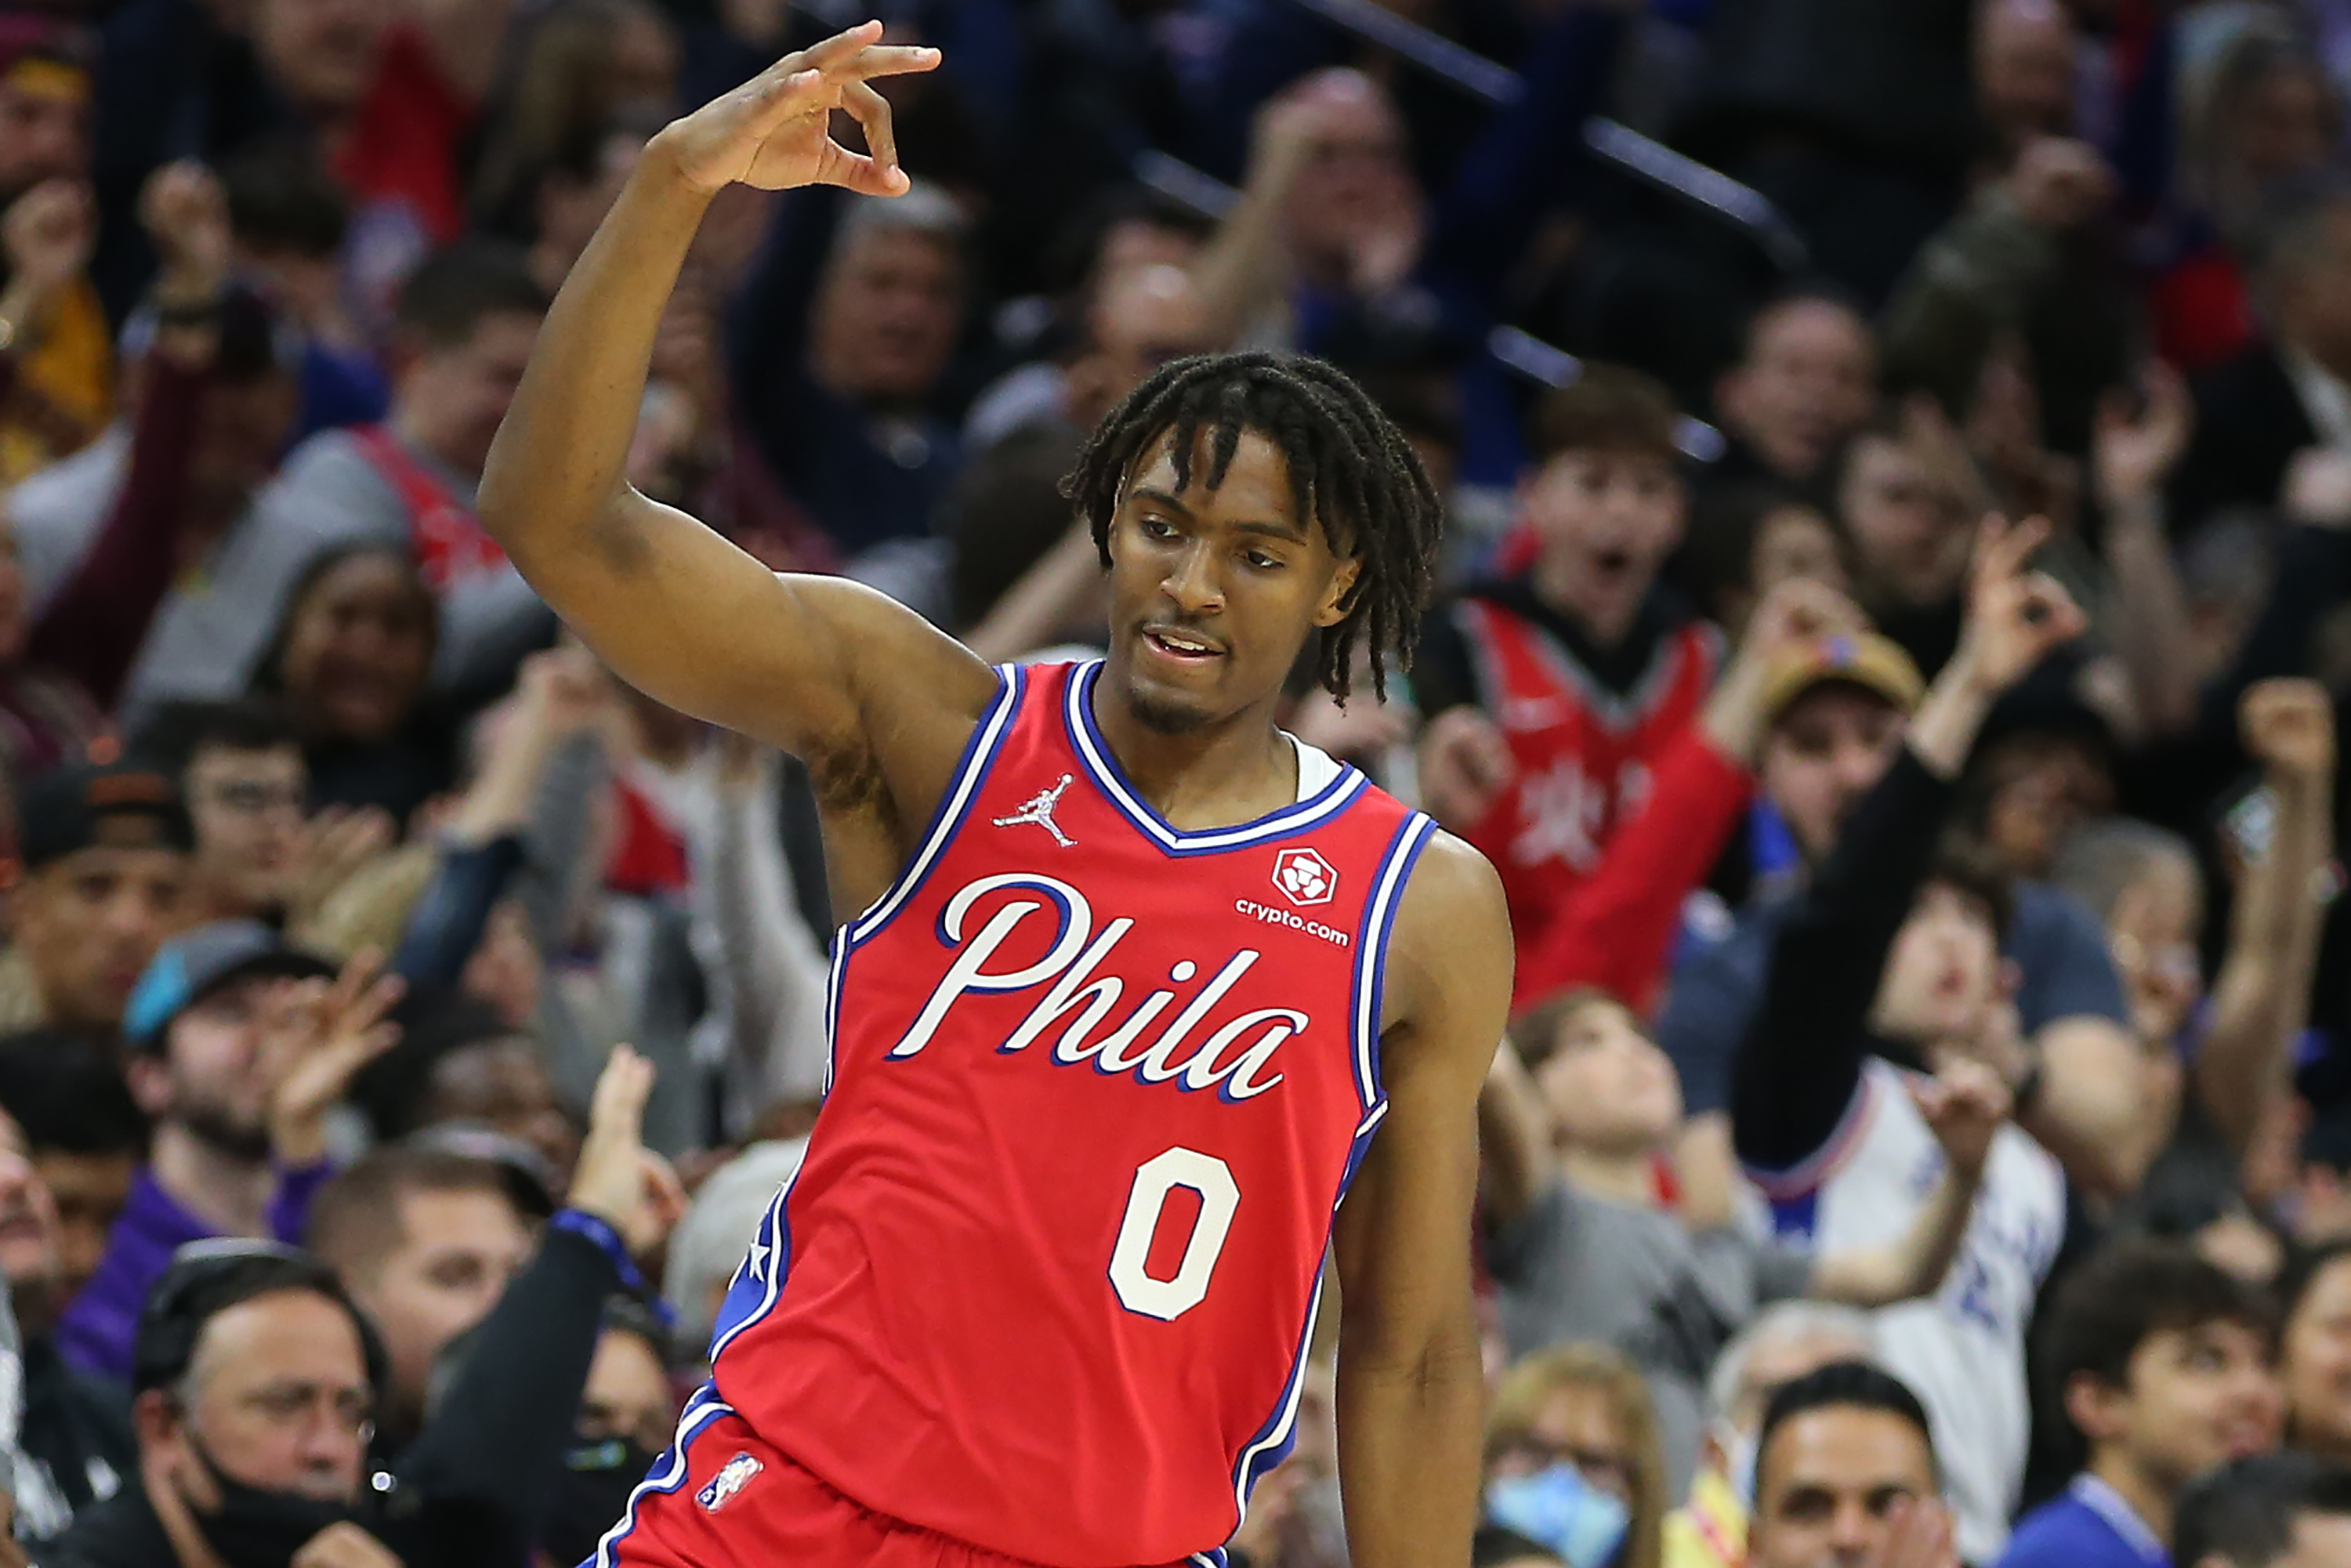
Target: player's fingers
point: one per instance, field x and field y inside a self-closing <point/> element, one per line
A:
<point x="888" y="60"/>
<point x="871" y="112"/>
<point x="833" y="51"/>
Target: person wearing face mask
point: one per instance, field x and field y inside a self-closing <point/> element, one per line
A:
<point x="253" y="1381"/>
<point x="626" y="1414"/>
<point x="1781" y="1343"/>
<point x="1571" y="1458"/>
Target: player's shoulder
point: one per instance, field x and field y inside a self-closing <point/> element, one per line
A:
<point x="1453" y="926"/>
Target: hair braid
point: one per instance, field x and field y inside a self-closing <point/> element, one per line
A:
<point x="1351" y="470"/>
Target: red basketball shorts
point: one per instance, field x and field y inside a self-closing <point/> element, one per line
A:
<point x="724" y="1498"/>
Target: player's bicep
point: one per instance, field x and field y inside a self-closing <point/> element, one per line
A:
<point x="686" y="617"/>
<point x="1402" y="1240"/>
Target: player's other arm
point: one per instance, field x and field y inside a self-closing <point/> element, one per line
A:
<point x="1411" y="1390"/>
<point x="814" y="664"/>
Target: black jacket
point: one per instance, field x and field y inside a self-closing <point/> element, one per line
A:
<point x="2250" y="423"/>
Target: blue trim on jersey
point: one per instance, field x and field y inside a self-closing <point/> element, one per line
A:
<point x="759" y="1278"/>
<point x="1274" y="1439"/>
<point x="1102" y="767"/>
<point x="668" y="1473"/>
<point x="1813" y="1171"/>
<point x="1216" y="1559"/>
<point x="963" y="787"/>
<point x="1372" y="951"/>
<point x="1796" y="1218"/>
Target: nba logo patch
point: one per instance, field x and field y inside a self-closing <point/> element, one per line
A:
<point x="732" y="1477"/>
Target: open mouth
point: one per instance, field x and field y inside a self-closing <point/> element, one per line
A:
<point x="1181" y="646"/>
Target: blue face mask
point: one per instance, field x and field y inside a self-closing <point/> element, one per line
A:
<point x="1567" y="1514"/>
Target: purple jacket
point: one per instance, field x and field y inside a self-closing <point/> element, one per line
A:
<point x="96" y="1334"/>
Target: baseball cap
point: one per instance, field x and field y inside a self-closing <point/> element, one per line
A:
<point x="116" y="805"/>
<point x="197" y="963"/>
<point x="1861" y="659"/>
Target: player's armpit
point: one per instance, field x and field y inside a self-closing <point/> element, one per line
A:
<point x="1410" y="1388"/>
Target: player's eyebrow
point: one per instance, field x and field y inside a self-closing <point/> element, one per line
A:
<point x="1285" y="531"/>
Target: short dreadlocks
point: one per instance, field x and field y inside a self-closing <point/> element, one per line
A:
<point x="1350" y="468"/>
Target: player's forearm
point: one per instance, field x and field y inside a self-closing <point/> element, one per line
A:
<point x="1409" y="1430"/>
<point x="556" y="468"/>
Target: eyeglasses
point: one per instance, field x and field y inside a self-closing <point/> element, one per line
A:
<point x="290" y="1405"/>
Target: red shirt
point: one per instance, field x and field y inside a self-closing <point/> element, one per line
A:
<point x="403" y="148"/>
<point x="1046" y="1280"/>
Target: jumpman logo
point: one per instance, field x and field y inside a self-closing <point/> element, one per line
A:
<point x="1039" y="809"/>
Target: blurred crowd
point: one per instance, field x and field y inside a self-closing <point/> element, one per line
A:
<point x="1931" y="1068"/>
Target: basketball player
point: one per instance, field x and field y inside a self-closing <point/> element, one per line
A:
<point x="1137" y="979"/>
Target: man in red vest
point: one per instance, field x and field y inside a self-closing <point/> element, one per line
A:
<point x="1552" y="685"/>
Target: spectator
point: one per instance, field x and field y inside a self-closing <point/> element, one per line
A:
<point x="460" y="339"/>
<point x="2164" y="1365"/>
<point x="626" y="1416"/>
<point x="290" y="220"/>
<point x="460" y="1062"/>
<point x="86" y="1138"/>
<point x="840" y="340"/>
<point x="1845" y="1472"/>
<point x="2282" y="1510"/>
<point x="576" y="188"/>
<point x="57" y="362"/>
<point x="350" y="663"/>
<point x="255" y="1380"/>
<point x="1892" y="953"/>
<point x="2315" y="1350"/>
<point x="2026" y="73"/>
<point x="1579" y="1111"/>
<point x="1834" y="730"/>
<point x="1909" y="494"/>
<point x="74" y="1446"/>
<point x="105" y="858"/>
<point x="1551" y="687"/>
<point x="718" y="1229"/>
<point x="1574" y="1422"/>
<point x="1138" y="319"/>
<point x="240" y="768"/>
<point x="1781" y="1343"/>
<point x="1804" y="382"/>
<point x="1746" y="538"/>
<point x="426" y="1243"/>
<point x="2265" y="418"/>
<point x="240" y="1049"/>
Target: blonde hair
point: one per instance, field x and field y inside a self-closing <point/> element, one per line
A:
<point x="1533" y="1381"/>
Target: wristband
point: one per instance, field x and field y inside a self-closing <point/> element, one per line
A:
<point x="592" y="1228"/>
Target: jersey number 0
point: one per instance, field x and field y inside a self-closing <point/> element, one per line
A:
<point x="1171" y="1298"/>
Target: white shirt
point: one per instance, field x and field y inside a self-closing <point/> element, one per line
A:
<point x="1961" y="1351"/>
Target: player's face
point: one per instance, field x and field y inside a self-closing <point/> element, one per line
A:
<point x="1213" y="591"/>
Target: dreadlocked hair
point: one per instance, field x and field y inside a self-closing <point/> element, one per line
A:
<point x="1350" y="468"/>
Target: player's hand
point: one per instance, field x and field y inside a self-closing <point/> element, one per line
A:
<point x="344" y="1546"/>
<point x="2289" y="727"/>
<point x="1464" y="764"/>
<point x="2133" y="455"/>
<point x="1794" y="614"/>
<point x="775" y="130"/>
<point x="2016" y="616"/>
<point x="618" y="1179"/>
<point x="1964" y="1106"/>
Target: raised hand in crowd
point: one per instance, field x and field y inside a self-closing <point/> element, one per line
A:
<point x="46" y="237"/>
<point x="316" y="1036"/>
<point x="2060" y="182"/>
<point x="1794" y="612"/>
<point x="618" y="1179"/>
<point x="2016" y="616"/>
<point x="336" y="845"/>
<point x="2316" y="489"/>
<point x="1464" y="764"/>
<point x="184" y="210"/>
<point x="2134" y="450"/>
<point x="1965" y="1104"/>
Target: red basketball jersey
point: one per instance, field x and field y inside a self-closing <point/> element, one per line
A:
<point x="1046" y="1279"/>
<point x="1582" y="751"/>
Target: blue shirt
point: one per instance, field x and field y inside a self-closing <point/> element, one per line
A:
<point x="2087" y="1525"/>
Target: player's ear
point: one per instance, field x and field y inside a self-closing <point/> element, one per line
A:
<point x="1339" y="593"/>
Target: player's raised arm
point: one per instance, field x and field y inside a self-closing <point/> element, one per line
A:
<point x="820" y="666"/>
<point x="1411" y="1390"/>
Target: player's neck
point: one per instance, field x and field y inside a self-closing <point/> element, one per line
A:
<point x="1215" y="776"/>
<point x="1627" y="1177"/>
